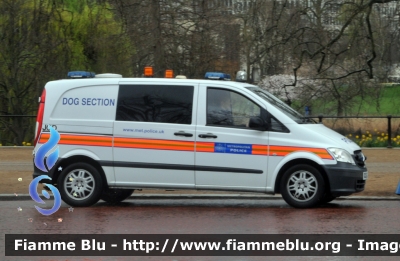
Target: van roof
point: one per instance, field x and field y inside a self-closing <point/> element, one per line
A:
<point x="117" y="81"/>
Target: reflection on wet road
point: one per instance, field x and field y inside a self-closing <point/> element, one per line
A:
<point x="204" y="216"/>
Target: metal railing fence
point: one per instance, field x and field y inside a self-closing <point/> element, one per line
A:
<point x="6" y="136"/>
<point x="388" y="117"/>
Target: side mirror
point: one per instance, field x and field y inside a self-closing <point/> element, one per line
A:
<point x="257" y="123"/>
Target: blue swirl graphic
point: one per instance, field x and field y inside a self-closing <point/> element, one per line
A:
<point x="34" y="195"/>
<point x="46" y="148"/>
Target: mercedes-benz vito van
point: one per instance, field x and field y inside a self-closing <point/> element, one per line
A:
<point x="121" y="134"/>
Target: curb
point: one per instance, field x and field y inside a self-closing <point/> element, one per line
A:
<point x="10" y="197"/>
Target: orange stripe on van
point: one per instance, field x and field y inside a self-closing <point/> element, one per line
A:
<point x="285" y="150"/>
<point x="205" y="146"/>
<point x="107" y="141"/>
<point x="259" y="150"/>
<point x="153" y="144"/>
<point x="85" y="140"/>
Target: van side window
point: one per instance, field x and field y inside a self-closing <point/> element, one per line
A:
<point x="229" y="109"/>
<point x="155" y="103"/>
<point x="276" y="126"/>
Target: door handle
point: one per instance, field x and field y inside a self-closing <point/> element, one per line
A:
<point x="208" y="135"/>
<point x="182" y="133"/>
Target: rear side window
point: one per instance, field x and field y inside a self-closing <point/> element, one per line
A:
<point x="155" y="103"/>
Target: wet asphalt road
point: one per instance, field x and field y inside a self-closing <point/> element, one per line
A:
<point x="203" y="216"/>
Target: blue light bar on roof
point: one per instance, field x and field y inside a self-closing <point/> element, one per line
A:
<point x="81" y="74"/>
<point x="217" y="76"/>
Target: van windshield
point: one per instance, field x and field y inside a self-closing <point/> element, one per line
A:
<point x="280" y="105"/>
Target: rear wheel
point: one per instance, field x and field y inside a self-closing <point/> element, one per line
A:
<point x="80" y="185"/>
<point x="116" y="195"/>
<point x="302" y="186"/>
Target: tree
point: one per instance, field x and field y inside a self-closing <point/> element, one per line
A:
<point x="190" y="37"/>
<point x="23" y="54"/>
<point x="334" y="42"/>
<point x="43" y="40"/>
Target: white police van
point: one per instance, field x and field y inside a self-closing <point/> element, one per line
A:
<point x="121" y="134"/>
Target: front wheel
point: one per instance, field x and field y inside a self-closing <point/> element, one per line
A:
<point x="302" y="186"/>
<point x="80" y="185"/>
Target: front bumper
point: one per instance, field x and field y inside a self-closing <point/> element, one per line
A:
<point x="345" y="179"/>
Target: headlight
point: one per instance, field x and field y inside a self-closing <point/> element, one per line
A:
<point x="342" y="155"/>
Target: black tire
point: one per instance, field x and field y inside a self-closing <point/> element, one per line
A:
<point x="302" y="186"/>
<point x="80" y="185"/>
<point x="116" y="195"/>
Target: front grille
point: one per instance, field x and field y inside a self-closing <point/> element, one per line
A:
<point x="359" y="158"/>
<point x="360" y="185"/>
